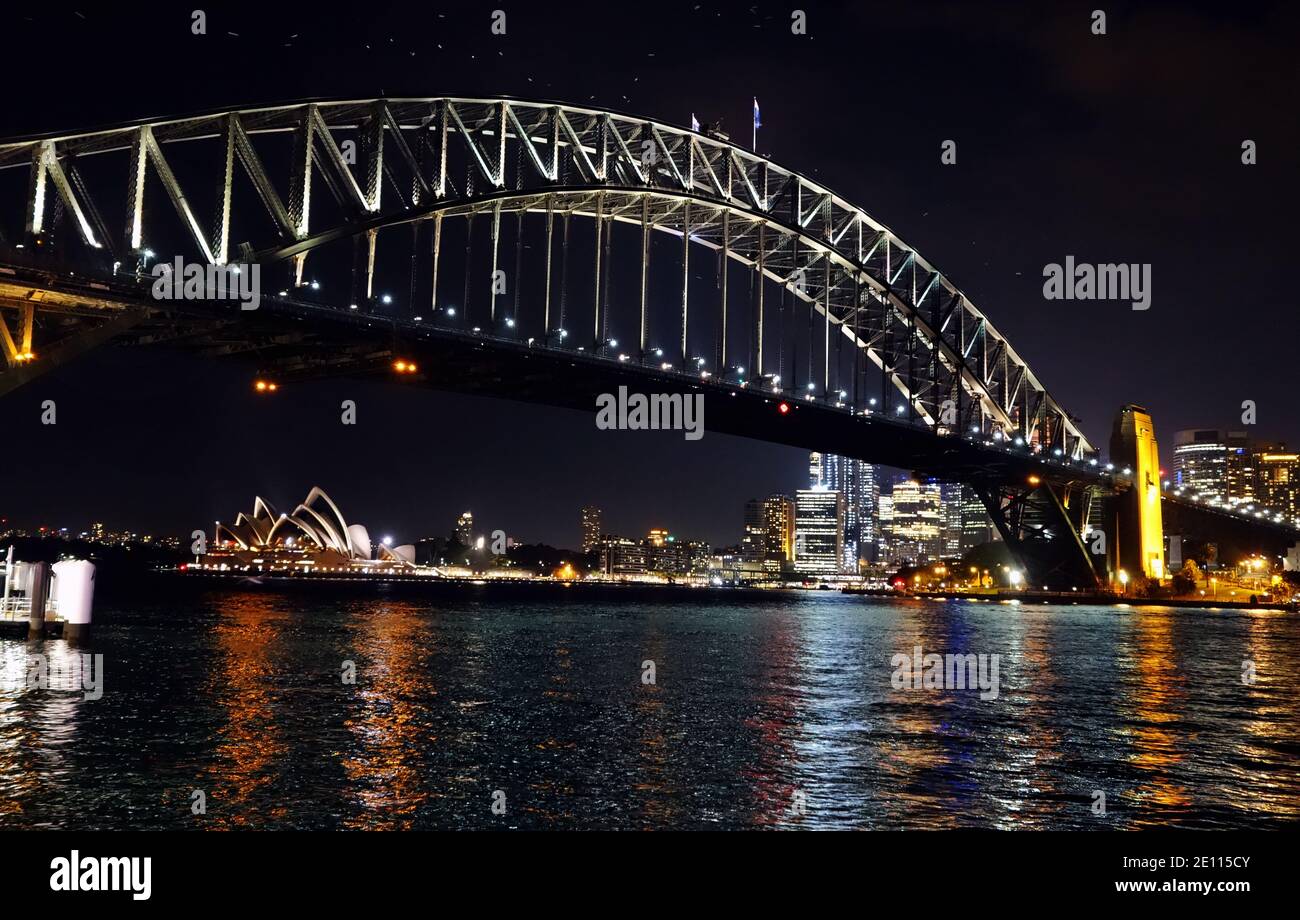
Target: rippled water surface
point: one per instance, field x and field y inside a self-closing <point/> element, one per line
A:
<point x="757" y="708"/>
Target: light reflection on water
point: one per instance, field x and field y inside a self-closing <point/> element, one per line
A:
<point x="762" y="714"/>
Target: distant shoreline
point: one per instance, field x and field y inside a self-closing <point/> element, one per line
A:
<point x="586" y="590"/>
<point x="1075" y="599"/>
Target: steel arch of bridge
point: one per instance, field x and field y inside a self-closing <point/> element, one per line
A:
<point x="862" y="282"/>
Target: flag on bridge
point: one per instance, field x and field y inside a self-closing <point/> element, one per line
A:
<point x="695" y="122"/>
<point x="758" y="123"/>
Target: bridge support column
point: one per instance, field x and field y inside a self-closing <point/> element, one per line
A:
<point x="38" y="591"/>
<point x="1138" y="542"/>
<point x="1041" y="525"/>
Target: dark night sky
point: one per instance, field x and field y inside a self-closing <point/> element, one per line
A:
<point x="1123" y="147"/>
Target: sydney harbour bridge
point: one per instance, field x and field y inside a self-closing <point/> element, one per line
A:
<point x="549" y="253"/>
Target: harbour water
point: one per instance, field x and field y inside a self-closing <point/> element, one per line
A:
<point x="777" y="711"/>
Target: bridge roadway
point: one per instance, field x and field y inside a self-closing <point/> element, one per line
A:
<point x="289" y="339"/>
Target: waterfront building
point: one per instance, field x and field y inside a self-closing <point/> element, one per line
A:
<point x="591" y="521"/>
<point x="819" y="532"/>
<point x="621" y="556"/>
<point x="314" y="535"/>
<point x="778" y="532"/>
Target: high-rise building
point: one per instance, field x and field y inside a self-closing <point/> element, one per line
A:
<point x="464" y="531"/>
<point x="752" y="543"/>
<point x="778" y="531"/>
<point x="885" y="519"/>
<point x="1201" y="462"/>
<point x="621" y="556"/>
<point x="816" y="470"/>
<point x="912" y="522"/>
<point x="856" y="481"/>
<point x="819" y="532"/>
<point x="1241" y="468"/>
<point x="1278" y="480"/>
<point x="976" y="527"/>
<point x="1236" y="469"/>
<point x="591" y="520"/>
<point x="950" y="513"/>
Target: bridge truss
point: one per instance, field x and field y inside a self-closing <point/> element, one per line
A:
<point x="791" y="260"/>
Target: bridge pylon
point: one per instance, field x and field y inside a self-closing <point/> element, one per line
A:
<point x="1137" y="547"/>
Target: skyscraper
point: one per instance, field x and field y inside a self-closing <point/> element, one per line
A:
<point x="819" y="532"/>
<point x="915" y="521"/>
<point x="951" y="515"/>
<point x="752" y="543"/>
<point x="778" y="531"/>
<point x="856" y="481"/>
<point x="590" y="528"/>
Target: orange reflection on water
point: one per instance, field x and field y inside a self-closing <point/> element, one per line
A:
<point x="246" y="633"/>
<point x="653" y="784"/>
<point x="1275" y="726"/>
<point x="1158" y="699"/>
<point x="910" y="742"/>
<point x="384" y="768"/>
<point x="1033" y="742"/>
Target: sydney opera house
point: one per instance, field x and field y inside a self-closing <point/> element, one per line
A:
<point x="314" y="537"/>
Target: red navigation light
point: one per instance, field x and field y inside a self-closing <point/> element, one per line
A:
<point x="783" y="408"/>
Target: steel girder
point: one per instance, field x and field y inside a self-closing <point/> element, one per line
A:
<point x="1041" y="524"/>
<point x="930" y="341"/>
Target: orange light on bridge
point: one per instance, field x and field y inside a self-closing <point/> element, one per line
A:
<point x="783" y="408"/>
<point x="1034" y="480"/>
<point x="404" y="367"/>
<point x="265" y="386"/>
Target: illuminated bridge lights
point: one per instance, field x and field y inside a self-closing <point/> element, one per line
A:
<point x="402" y="366"/>
<point x="265" y="386"/>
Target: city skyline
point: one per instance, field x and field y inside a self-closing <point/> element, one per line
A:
<point x="633" y="517"/>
